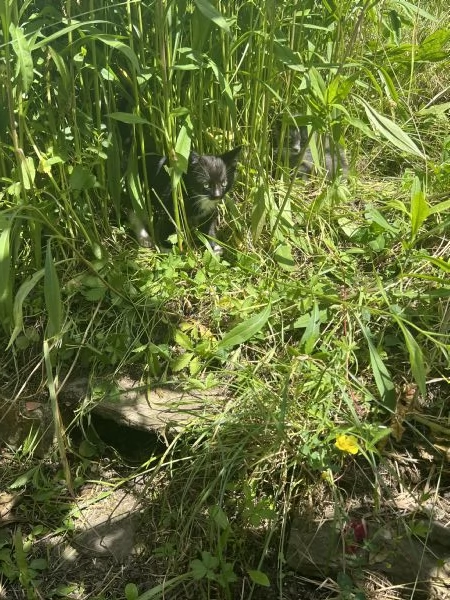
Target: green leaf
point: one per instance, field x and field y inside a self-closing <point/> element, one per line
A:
<point x="158" y="591"/>
<point x="391" y="131"/>
<point x="183" y="149"/>
<point x="39" y="564"/>
<point x="288" y="57"/>
<point x="65" y="30"/>
<point x="52" y="294"/>
<point x="374" y="215"/>
<point x="358" y="124"/>
<point x="28" y="172"/>
<point x="61" y="67"/>
<point x="413" y="11"/>
<point x="415" y="357"/>
<point x="259" y="578"/>
<point x="81" y="179"/>
<point x="419" y="207"/>
<point x="23" y="479"/>
<point x="245" y="330"/>
<point x="123" y="48"/>
<point x="317" y="84"/>
<point x="259" y="211"/>
<point x="312" y="331"/>
<point x="130" y="118"/>
<point x="434" y="47"/>
<point x="437" y="262"/>
<point x="226" y="575"/>
<point x="182" y="340"/>
<point x="66" y="591"/>
<point x="21" y="47"/>
<point x="198" y="569"/>
<point x="21" y="295"/>
<point x="381" y="374"/>
<point x="219" y="517"/>
<point x="389" y="85"/>
<point x="283" y="256"/>
<point x="181" y="362"/>
<point x="87" y="449"/>
<point x="435" y="109"/>
<point x="5" y="268"/>
<point x="131" y="591"/>
<point x="438" y="208"/>
<point x="209" y="560"/>
<point x="212" y="14"/>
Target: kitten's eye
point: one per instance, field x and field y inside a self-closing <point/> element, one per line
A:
<point x="206" y="186"/>
<point x="224" y="184"/>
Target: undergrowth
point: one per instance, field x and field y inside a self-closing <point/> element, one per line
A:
<point x="324" y="324"/>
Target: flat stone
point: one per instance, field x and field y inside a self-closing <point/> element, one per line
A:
<point x="107" y="528"/>
<point x="130" y="403"/>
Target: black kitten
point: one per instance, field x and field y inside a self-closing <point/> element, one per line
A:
<point x="298" y="155"/>
<point x="207" y="180"/>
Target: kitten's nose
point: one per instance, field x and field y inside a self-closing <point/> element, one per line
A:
<point x="216" y="193"/>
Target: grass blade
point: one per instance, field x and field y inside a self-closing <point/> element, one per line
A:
<point x="381" y="374"/>
<point x="129" y="118"/>
<point x="21" y="47"/>
<point x="57" y="421"/>
<point x="415" y="357"/>
<point x="21" y="295"/>
<point x="52" y="294"/>
<point x="5" y="279"/>
<point x="391" y="131"/>
<point x="419" y="207"/>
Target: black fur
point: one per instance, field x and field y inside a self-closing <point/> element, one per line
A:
<point x="207" y="180"/>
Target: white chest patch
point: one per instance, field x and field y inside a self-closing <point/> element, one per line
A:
<point x="205" y="205"/>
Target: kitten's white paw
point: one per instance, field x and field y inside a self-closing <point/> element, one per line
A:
<point x="142" y="235"/>
<point x="144" y="238"/>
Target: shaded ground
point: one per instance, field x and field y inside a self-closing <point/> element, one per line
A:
<point x="123" y="527"/>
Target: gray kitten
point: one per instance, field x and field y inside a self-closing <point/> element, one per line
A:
<point x="297" y="153"/>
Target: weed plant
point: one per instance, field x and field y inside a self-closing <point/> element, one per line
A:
<point x="329" y="297"/>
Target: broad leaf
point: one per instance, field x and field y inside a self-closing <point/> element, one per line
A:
<point x="245" y="330"/>
<point x="81" y="179"/>
<point x="182" y="150"/>
<point x="283" y="256"/>
<point x="434" y="47"/>
<point x="259" y="578"/>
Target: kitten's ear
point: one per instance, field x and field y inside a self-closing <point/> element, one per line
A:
<point x="230" y="158"/>
<point x="193" y="158"/>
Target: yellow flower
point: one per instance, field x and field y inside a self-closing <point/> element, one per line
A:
<point x="347" y="443"/>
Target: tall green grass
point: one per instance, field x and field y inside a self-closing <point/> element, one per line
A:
<point x="329" y="297"/>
